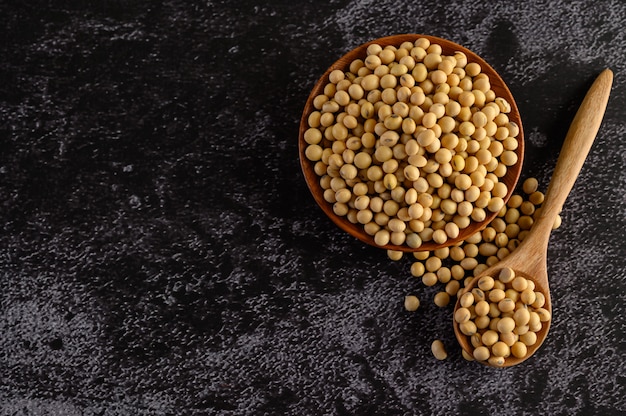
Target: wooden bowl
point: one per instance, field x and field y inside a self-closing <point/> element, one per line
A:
<point x="448" y="48"/>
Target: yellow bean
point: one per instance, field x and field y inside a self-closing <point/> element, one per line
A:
<point x="438" y="350"/>
<point x="411" y="303"/>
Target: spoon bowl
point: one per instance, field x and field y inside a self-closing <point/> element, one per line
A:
<point x="530" y="258"/>
<point x="448" y="48"/>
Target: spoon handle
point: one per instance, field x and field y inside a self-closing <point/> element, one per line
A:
<point x="578" y="141"/>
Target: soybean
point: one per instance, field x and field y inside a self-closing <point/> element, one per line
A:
<point x="439" y="350"/>
<point x="411" y="303"/>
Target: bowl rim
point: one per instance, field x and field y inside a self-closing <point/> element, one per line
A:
<point x="448" y="47"/>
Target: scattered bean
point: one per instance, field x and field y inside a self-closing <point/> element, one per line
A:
<point x="411" y="303"/>
<point x="438" y="350"/>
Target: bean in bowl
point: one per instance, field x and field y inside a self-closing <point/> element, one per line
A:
<point x="413" y="145"/>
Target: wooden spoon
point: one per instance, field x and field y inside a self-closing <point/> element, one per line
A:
<point x="530" y="258"/>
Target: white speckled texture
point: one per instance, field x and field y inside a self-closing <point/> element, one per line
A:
<point x="160" y="253"/>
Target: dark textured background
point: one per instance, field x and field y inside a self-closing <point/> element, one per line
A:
<point x="160" y="253"/>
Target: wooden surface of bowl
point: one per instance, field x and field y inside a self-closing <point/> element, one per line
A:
<point x="448" y="48"/>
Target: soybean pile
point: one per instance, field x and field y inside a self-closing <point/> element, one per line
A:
<point x="411" y="143"/>
<point x="500" y="318"/>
